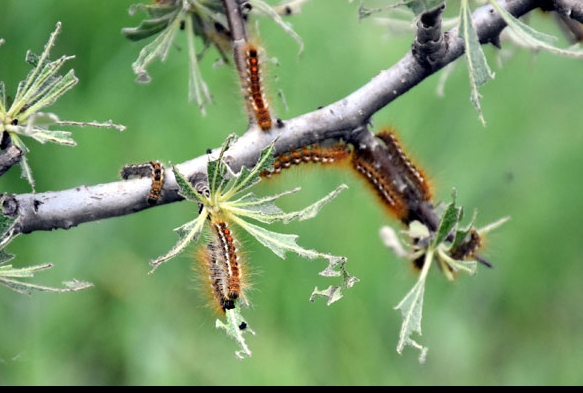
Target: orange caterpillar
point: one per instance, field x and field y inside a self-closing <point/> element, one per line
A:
<point x="153" y="169"/>
<point x="256" y="100"/>
<point x="306" y="154"/>
<point x="410" y="172"/>
<point x="401" y="186"/>
<point x="221" y="260"/>
<point x="229" y="259"/>
<point x="365" y="164"/>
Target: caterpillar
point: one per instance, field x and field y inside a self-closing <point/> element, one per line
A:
<point x="222" y="263"/>
<point x="310" y="153"/>
<point x="379" y="177"/>
<point x="401" y="185"/>
<point x="256" y="101"/>
<point x="152" y="169"/>
<point x="411" y="173"/>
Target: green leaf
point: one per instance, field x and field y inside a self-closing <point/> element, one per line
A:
<point x="450" y="219"/>
<point x="411" y="308"/>
<point x="2" y="101"/>
<point x="234" y="322"/>
<point x="187" y="234"/>
<point x="5" y="256"/>
<point x="531" y="38"/>
<point x="198" y="90"/>
<point x="335" y="292"/>
<point x="264" y="210"/>
<point x="150" y="27"/>
<point x="185" y="189"/>
<point x="7" y="273"/>
<point x="247" y="178"/>
<point x="156" y="49"/>
<point x="280" y="243"/>
<point x="25" y="169"/>
<point x="478" y="69"/>
<point x="216" y="169"/>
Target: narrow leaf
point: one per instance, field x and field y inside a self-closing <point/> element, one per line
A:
<point x="187" y="233"/>
<point x="156" y="49"/>
<point x="280" y="243"/>
<point x="247" y="178"/>
<point x="411" y="308"/>
<point x="197" y="88"/>
<point x="185" y="188"/>
<point x="478" y="69"/>
<point x="335" y="292"/>
<point x="532" y="38"/>
<point x="235" y="327"/>
<point x="267" y="212"/>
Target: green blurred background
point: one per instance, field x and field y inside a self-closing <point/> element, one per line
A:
<point x="519" y="323"/>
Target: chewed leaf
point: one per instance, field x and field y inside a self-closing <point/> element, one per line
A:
<point x="411" y="308"/>
<point x="156" y="49"/>
<point x="149" y="27"/>
<point x="198" y="90"/>
<point x="9" y="273"/>
<point x="247" y="178"/>
<point x="187" y="233"/>
<point x="185" y="189"/>
<point x="264" y="210"/>
<point x="531" y="38"/>
<point x="335" y="292"/>
<point x="217" y="169"/>
<point x="280" y="243"/>
<point x="235" y="327"/>
<point x="478" y="69"/>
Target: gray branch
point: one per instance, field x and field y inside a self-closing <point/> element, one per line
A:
<point x="346" y="119"/>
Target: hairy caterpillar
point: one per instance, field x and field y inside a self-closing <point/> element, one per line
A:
<point x="152" y="169"/>
<point x="256" y="101"/>
<point x="306" y="154"/>
<point x="221" y="261"/>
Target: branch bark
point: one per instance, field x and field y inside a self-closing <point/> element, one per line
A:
<point x="345" y="119"/>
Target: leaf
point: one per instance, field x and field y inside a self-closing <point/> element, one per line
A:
<point x="2" y="101"/>
<point x="7" y="273"/>
<point x="247" y="178"/>
<point x="450" y="218"/>
<point x="335" y="292"/>
<point x="216" y="169"/>
<point x="264" y="210"/>
<point x="478" y="69"/>
<point x="185" y="189"/>
<point x="25" y="169"/>
<point x="156" y="49"/>
<point x="150" y="27"/>
<point x="187" y="233"/>
<point x="197" y="88"/>
<point x="280" y="243"/>
<point x="235" y="327"/>
<point x="532" y="38"/>
<point x="411" y="308"/>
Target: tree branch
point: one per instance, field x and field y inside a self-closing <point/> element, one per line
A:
<point x="345" y="119"/>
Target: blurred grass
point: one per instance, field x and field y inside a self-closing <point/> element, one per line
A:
<point x="516" y="324"/>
